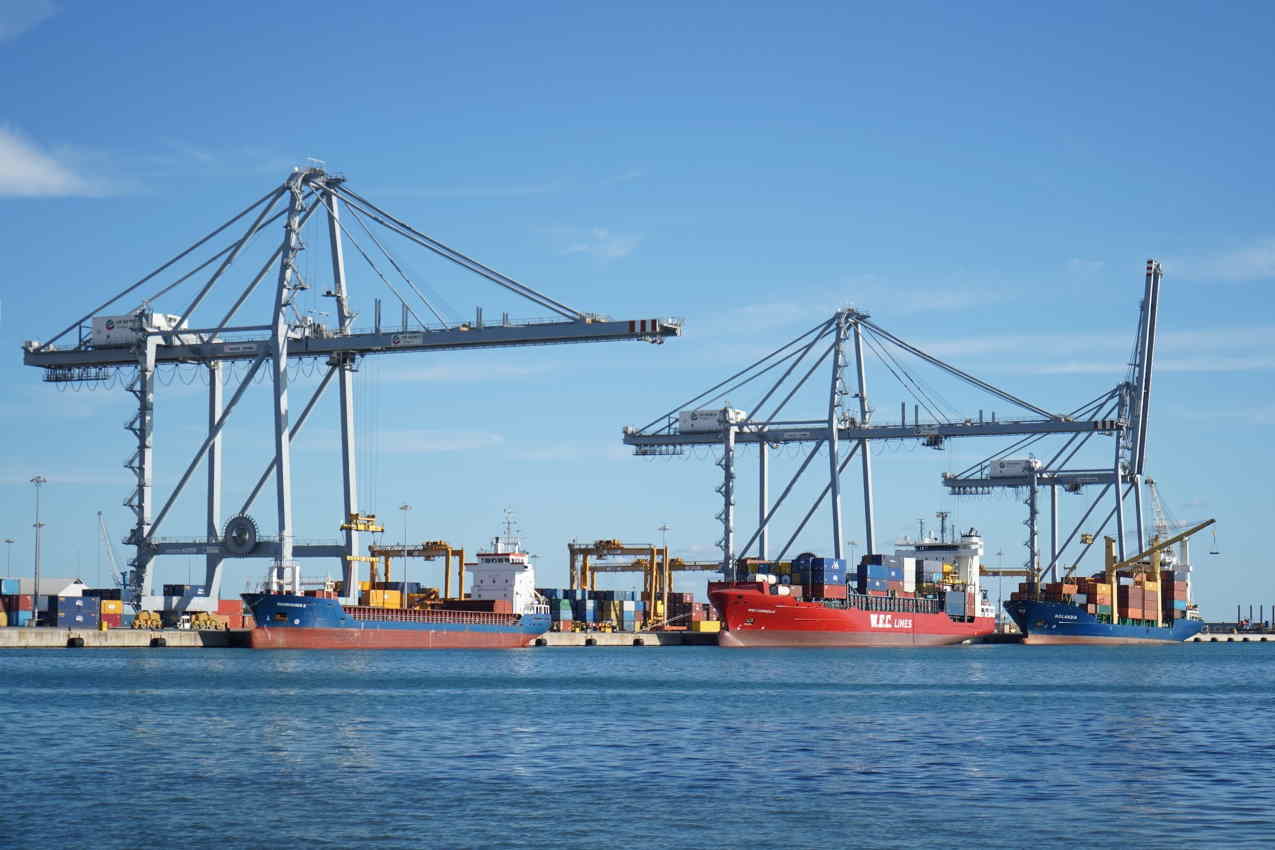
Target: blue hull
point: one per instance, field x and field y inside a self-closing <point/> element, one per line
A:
<point x="305" y="622"/>
<point x="1062" y="622"/>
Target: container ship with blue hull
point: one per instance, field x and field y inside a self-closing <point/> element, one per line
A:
<point x="1068" y="623"/>
<point x="1144" y="599"/>
<point x="502" y="612"/>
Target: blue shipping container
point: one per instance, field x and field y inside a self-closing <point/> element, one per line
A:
<point x="826" y="578"/>
<point x="20" y="618"/>
<point x="72" y="618"/>
<point x="10" y="587"/>
<point x="77" y="604"/>
<point x="955" y="603"/>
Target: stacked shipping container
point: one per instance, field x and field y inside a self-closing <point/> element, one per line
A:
<point x="1138" y="599"/>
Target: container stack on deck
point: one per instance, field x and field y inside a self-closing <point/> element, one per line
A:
<point x="1136" y="600"/>
<point x="1174" y="596"/>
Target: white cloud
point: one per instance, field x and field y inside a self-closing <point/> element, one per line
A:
<point x="18" y="16"/>
<point x="573" y="451"/>
<point x="27" y="172"/>
<point x="623" y="177"/>
<point x="475" y="192"/>
<point x="416" y="441"/>
<point x="424" y="441"/>
<point x="1263" y="414"/>
<point x="1254" y="261"/>
<point x="467" y="372"/>
<point x="1061" y="344"/>
<point x="1078" y="267"/>
<point x="876" y="295"/>
<point x="602" y="244"/>
<point x="56" y="475"/>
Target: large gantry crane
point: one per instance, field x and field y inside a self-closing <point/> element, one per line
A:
<point x="1130" y="402"/>
<point x="144" y="341"/>
<point x="1121" y="412"/>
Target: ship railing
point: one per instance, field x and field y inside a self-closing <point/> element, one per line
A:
<point x="426" y="615"/>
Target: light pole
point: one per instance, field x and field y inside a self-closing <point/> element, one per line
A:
<point x="35" y="596"/>
<point x="853" y="544"/>
<point x="8" y="568"/>
<point x="405" y="507"/>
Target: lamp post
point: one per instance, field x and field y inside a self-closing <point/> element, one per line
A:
<point x="8" y="568"/>
<point x="405" y="507"/>
<point x="35" y="596"/>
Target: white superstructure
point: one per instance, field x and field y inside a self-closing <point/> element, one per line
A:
<point x="963" y="558"/>
<point x="505" y="573"/>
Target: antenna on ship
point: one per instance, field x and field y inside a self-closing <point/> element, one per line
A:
<point x="510" y="537"/>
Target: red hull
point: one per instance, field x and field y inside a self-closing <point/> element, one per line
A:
<point x="754" y="619"/>
<point x="319" y="638"/>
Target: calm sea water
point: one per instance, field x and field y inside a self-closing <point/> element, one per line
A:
<point x="994" y="746"/>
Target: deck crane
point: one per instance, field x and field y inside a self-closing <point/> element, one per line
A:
<point x="141" y="340"/>
<point x="1146" y="561"/>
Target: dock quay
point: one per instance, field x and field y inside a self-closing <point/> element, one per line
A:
<point x="55" y="638"/>
<point x="1241" y="637"/>
<point x="627" y="639"/>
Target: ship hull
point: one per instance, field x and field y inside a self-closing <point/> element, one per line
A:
<point x="752" y="619"/>
<point x="1061" y="624"/>
<point x="302" y="622"/>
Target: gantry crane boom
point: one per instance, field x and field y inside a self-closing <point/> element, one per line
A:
<point x="188" y="337"/>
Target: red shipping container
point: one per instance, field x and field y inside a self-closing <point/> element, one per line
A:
<point x="226" y="607"/>
<point x="113" y="621"/>
<point x="25" y="602"/>
<point x="829" y="591"/>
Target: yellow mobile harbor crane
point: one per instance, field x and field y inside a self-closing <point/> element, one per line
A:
<point x="1147" y="562"/>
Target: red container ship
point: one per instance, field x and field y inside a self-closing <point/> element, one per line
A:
<point x="927" y="594"/>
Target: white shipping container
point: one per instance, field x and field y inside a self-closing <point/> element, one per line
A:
<point x="909" y="574"/>
<point x="692" y="421"/>
<point x="1013" y="468"/>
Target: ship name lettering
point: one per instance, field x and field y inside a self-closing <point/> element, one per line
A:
<point x="888" y="621"/>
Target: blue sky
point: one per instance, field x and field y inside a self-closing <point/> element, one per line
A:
<point x="987" y="183"/>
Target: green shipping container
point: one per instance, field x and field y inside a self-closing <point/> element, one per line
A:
<point x="1104" y="609"/>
